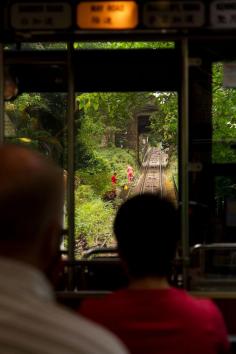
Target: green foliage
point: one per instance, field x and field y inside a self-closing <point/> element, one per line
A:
<point x="94" y="217"/>
<point x="43" y="46"/>
<point x="84" y="193"/>
<point x="224" y="131"/>
<point x="164" y="122"/>
<point x="118" y="159"/>
<point x="223" y="118"/>
<point x="89" y="131"/>
<point x="114" y="110"/>
<point x="28" y="99"/>
<point x="39" y="118"/>
<point x="225" y="187"/>
<point x="93" y="220"/>
<point x="99" y="181"/>
<point x="103" y="164"/>
<point x="101" y="116"/>
<point x="124" y="45"/>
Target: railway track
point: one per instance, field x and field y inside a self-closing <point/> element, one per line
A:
<point x="153" y="180"/>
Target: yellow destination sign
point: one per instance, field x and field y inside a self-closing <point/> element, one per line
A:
<point x="113" y="15"/>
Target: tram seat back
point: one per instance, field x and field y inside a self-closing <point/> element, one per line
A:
<point x="100" y="269"/>
<point x="213" y="267"/>
<point x="106" y="273"/>
<point x="232" y="340"/>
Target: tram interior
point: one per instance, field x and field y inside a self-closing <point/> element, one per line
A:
<point x="128" y="114"/>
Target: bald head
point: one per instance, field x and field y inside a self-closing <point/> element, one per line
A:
<point x="31" y="195"/>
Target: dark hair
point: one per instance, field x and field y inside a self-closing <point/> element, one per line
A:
<point x="147" y="229"/>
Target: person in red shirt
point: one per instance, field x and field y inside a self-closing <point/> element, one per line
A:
<point x="114" y="179"/>
<point x="150" y="316"/>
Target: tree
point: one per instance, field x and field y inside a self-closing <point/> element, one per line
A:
<point x="164" y="122"/>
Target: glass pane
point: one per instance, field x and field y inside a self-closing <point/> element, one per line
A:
<point x="124" y="45"/>
<point x="120" y="135"/>
<point x="223" y="119"/>
<point x="37" y="120"/>
<point x="223" y="151"/>
<point x="214" y="261"/>
<point x="36" y="46"/>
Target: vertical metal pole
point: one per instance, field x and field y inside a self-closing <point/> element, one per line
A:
<point x="2" y="110"/>
<point x="185" y="159"/>
<point x="71" y="161"/>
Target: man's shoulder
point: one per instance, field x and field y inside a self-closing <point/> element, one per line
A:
<point x="105" y="306"/>
<point x="83" y="332"/>
<point x="188" y="298"/>
<point x="108" y="299"/>
<point x="197" y="306"/>
<point x="176" y="299"/>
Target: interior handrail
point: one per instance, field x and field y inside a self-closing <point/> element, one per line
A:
<point x="99" y="250"/>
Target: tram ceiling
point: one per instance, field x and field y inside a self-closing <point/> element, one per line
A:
<point x="97" y="70"/>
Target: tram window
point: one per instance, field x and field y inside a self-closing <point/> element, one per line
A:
<point x="231" y="212"/>
<point x="37" y="46"/>
<point x="37" y="120"/>
<point x="223" y="152"/>
<point x="91" y="45"/>
<point x="216" y="261"/>
<point x="119" y="135"/>
<point x="124" y="45"/>
<point x="223" y="118"/>
<point x="225" y="211"/>
<point x="103" y="142"/>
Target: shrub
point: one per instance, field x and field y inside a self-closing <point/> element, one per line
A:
<point x="93" y="221"/>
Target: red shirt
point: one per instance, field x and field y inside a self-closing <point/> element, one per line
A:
<point x="113" y="179"/>
<point x="167" y="321"/>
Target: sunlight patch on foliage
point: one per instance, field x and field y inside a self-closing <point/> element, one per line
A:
<point x="124" y="45"/>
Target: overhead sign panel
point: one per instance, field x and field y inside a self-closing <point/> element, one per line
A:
<point x="40" y="16"/>
<point x="113" y="15"/>
<point x="174" y="14"/>
<point x="223" y="14"/>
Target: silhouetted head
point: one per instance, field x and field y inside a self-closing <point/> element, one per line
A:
<point x="146" y="227"/>
<point x="31" y="204"/>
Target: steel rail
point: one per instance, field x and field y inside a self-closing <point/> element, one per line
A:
<point x="145" y="173"/>
<point x="148" y="167"/>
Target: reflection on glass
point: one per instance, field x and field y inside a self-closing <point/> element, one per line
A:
<point x="36" y="120"/>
